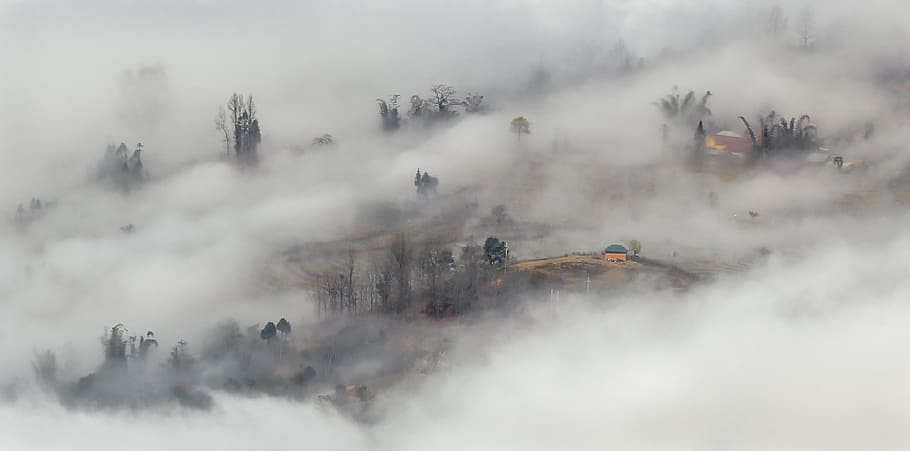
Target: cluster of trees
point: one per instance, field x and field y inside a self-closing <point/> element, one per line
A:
<point x="128" y="377"/>
<point x="412" y="277"/>
<point x="119" y="346"/>
<point x="239" y="127"/>
<point x="778" y="25"/>
<point x="271" y="330"/>
<point x="426" y="184"/>
<point x="145" y="97"/>
<point x="496" y="251"/>
<point x="685" y="110"/>
<point x="501" y="215"/>
<point x="118" y="165"/>
<point x="388" y="112"/>
<point x="440" y="105"/>
<point x="779" y="135"/>
<point x="35" y="208"/>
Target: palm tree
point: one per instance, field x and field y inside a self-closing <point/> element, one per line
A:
<point x="793" y="134"/>
<point x="777" y="133"/>
<point x="520" y="125"/>
<point x="685" y="109"/>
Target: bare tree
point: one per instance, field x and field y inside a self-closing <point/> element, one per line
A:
<point x="400" y="260"/>
<point x="472" y="264"/>
<point x="436" y="265"/>
<point x="246" y="132"/>
<point x="500" y="213"/>
<point x="351" y="298"/>
<point x="145" y="95"/>
<point x="775" y="22"/>
<point x="180" y="359"/>
<point x="383" y="280"/>
<point x="473" y="103"/>
<point x="221" y="124"/>
<point x="235" y="106"/>
<point x="442" y="95"/>
<point x="419" y="106"/>
<point x="45" y="366"/>
<point x="805" y="28"/>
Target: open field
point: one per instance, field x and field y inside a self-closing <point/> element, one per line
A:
<point x="573" y="273"/>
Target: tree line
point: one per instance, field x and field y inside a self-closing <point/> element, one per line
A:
<point x="412" y="277"/>
<point x="440" y="105"/>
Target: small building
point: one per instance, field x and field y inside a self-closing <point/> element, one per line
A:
<point x="727" y="142"/>
<point x="616" y="252"/>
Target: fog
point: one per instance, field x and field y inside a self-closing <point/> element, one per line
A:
<point x="792" y="338"/>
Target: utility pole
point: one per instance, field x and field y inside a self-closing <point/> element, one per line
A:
<point x="588" y="283"/>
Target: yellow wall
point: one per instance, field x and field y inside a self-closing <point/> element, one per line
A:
<point x="616" y="255"/>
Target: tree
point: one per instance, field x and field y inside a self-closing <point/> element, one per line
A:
<point x="284" y="327"/>
<point x="268" y="332"/>
<point x="441" y="100"/>
<point x="426" y="184"/>
<point x="146" y="343"/>
<point x="500" y="213"/>
<point x="247" y="134"/>
<point x="418" y="106"/>
<point x="180" y="359"/>
<point x="778" y="134"/>
<point x="436" y="264"/>
<point x="400" y="262"/>
<point x="473" y="103"/>
<point x="472" y="262"/>
<point x="145" y="97"/>
<point x="114" y="343"/>
<point x="635" y="247"/>
<point x="45" y="367"/>
<point x="221" y="124"/>
<point x="520" y="126"/>
<point x="496" y="251"/>
<point x="134" y="164"/>
<point x="324" y="140"/>
<point x="383" y="287"/>
<point x="303" y="377"/>
<point x="805" y="28"/>
<point x="388" y="111"/>
<point x="122" y="168"/>
<point x="775" y="22"/>
<point x="699" y="142"/>
<point x="685" y="110"/>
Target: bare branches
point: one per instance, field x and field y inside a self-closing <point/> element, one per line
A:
<point x="246" y="133"/>
<point x="442" y="94"/>
<point x="221" y="124"/>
